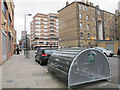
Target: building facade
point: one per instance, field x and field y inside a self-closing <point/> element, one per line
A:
<point x="81" y="24"/>
<point x="44" y="31"/>
<point x="24" y="33"/>
<point x="7" y="31"/>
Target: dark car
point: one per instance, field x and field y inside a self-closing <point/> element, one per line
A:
<point x="118" y="51"/>
<point x="42" y="55"/>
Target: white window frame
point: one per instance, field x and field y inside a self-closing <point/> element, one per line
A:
<point x="86" y="8"/>
<point x="80" y="6"/>
<point x="83" y="7"/>
<point x="80" y="15"/>
<point x="88" y="26"/>
<point x="87" y="17"/>
<point x="81" y="25"/>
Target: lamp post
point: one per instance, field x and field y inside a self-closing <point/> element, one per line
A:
<point x="26" y="33"/>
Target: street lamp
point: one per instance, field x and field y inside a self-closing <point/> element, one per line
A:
<point x="26" y="33"/>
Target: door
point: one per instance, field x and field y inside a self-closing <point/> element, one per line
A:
<point x="4" y="46"/>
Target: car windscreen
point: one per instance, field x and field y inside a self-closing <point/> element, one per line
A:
<point x="49" y="51"/>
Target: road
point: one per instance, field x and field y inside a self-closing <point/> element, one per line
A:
<point x="115" y="64"/>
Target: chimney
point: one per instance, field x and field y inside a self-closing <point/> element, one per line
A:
<point x="92" y="4"/>
<point x="87" y="2"/>
<point x="116" y="12"/>
<point x="97" y="6"/>
<point x="83" y="1"/>
<point x="67" y="3"/>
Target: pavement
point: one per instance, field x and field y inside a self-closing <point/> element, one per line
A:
<point x="0" y="77"/>
<point x="19" y="72"/>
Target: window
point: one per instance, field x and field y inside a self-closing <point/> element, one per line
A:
<point x="81" y="35"/>
<point x="80" y="7"/>
<point x="52" y="20"/>
<point x="94" y="27"/>
<point x="86" y="8"/>
<point x="104" y="22"/>
<point x="57" y="24"/>
<point x="51" y="27"/>
<point x="88" y="35"/>
<point x="81" y="44"/>
<point x="51" y="34"/>
<point x="57" y="31"/>
<point x="51" y="23"/>
<point x="109" y="23"/>
<point x="87" y="26"/>
<point x="46" y="34"/>
<point x="9" y="21"/>
<point x="38" y="34"/>
<point x="45" y="19"/>
<point x="94" y="36"/>
<point x="98" y="12"/>
<point x="4" y="9"/>
<point x="45" y="26"/>
<point x="80" y="15"/>
<point x="113" y="24"/>
<point x="93" y="19"/>
<point x="45" y="23"/>
<point x="37" y="18"/>
<point x="45" y="30"/>
<point x="37" y="26"/>
<point x="53" y="17"/>
<point x="105" y="30"/>
<point x="37" y="22"/>
<point x="56" y="27"/>
<point x="41" y="42"/>
<point x="81" y="25"/>
<point x="83" y="7"/>
<point x="37" y="30"/>
<point x="51" y="30"/>
<point x="56" y="20"/>
<point x="105" y="37"/>
<point x="87" y="18"/>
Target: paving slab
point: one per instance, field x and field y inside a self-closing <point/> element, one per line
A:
<point x="20" y="72"/>
<point x="0" y="77"/>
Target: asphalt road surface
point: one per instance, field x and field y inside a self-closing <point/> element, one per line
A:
<point x="115" y="64"/>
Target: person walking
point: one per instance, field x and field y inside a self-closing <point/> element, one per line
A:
<point x="17" y="50"/>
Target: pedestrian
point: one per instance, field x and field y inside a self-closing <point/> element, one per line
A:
<point x="17" y="50"/>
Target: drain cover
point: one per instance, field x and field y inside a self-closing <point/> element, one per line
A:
<point x="9" y="81"/>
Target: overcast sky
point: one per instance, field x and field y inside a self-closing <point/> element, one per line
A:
<point x="23" y="7"/>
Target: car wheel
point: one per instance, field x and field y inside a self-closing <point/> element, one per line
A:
<point x="35" y="59"/>
<point x="41" y="62"/>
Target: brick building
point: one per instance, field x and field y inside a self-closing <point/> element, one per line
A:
<point x="44" y="30"/>
<point x="7" y="31"/>
<point x="81" y="24"/>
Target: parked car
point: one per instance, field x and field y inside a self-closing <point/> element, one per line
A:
<point x="42" y="55"/>
<point x="118" y="51"/>
<point x="105" y="51"/>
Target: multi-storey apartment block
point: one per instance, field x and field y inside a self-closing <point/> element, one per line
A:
<point x="7" y="32"/>
<point x="81" y="24"/>
<point x="44" y="31"/>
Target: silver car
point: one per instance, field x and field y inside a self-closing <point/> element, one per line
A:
<point x="105" y="51"/>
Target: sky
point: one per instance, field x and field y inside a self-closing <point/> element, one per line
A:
<point x="33" y="7"/>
